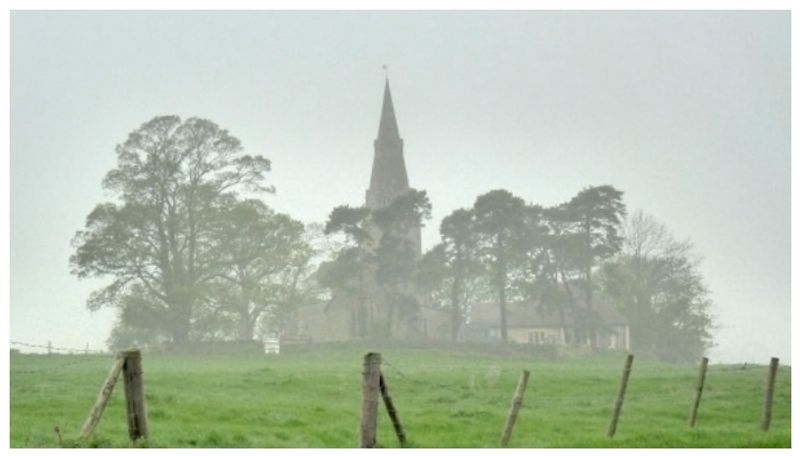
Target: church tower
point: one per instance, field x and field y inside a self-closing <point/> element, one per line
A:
<point x="389" y="178"/>
<point x="368" y="309"/>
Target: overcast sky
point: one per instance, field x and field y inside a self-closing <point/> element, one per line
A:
<point x="686" y="112"/>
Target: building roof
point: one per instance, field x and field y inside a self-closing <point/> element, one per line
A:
<point x="389" y="178"/>
<point x="388" y="126"/>
<point x="536" y="313"/>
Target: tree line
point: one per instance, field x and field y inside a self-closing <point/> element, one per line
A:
<point x="193" y="253"/>
<point x="503" y="250"/>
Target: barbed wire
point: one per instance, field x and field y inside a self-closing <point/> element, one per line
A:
<point x="402" y="375"/>
<point x="83" y="360"/>
<point x="60" y="349"/>
<point x="86" y="356"/>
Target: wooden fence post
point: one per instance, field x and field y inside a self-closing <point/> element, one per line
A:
<point x="134" y="394"/>
<point x="102" y="398"/>
<point x="516" y="403"/>
<point x="387" y="400"/>
<point x="767" y="417"/>
<point x="626" y="372"/>
<point x="698" y="391"/>
<point x="369" y="405"/>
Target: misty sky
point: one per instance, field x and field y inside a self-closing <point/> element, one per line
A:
<point x="686" y="112"/>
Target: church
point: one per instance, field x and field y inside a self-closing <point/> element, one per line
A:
<point x="348" y="316"/>
<point x="352" y="315"/>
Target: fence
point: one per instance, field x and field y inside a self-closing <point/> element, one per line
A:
<point x="50" y="349"/>
<point x="87" y="356"/>
<point x="128" y="365"/>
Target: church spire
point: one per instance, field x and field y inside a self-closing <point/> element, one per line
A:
<point x="388" y="127"/>
<point x="389" y="178"/>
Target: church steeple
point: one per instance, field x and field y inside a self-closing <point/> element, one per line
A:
<point x="389" y="178"/>
<point x="388" y="126"/>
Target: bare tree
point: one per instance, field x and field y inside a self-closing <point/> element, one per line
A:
<point x="656" y="283"/>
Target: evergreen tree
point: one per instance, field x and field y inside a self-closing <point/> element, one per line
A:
<point x="499" y="225"/>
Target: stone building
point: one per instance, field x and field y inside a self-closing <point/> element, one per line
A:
<point x="534" y="322"/>
<point x="349" y="315"/>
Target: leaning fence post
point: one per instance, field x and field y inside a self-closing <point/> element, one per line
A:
<point x="369" y="404"/>
<point x="102" y="399"/>
<point x="767" y="417"/>
<point x="698" y="391"/>
<point x="626" y="372"/>
<point x="516" y="403"/>
<point x="387" y="400"/>
<point x="134" y="394"/>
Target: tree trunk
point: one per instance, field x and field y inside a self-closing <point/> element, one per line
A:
<point x="245" y="325"/>
<point x="563" y="322"/>
<point x="246" y="318"/>
<point x="362" y="324"/>
<point x="390" y="303"/>
<point x="181" y="327"/>
<point x="575" y="317"/>
<point x="501" y="285"/>
<point x="503" y="323"/>
<point x="456" y="316"/>
<point x="180" y="336"/>
<point x="591" y="327"/>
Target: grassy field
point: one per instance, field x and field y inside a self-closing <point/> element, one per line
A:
<point x="445" y="399"/>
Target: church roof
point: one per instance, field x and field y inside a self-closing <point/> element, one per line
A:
<point x="389" y="177"/>
<point x="388" y="126"/>
<point x="536" y="313"/>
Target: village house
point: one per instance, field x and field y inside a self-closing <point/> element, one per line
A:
<point x="534" y="322"/>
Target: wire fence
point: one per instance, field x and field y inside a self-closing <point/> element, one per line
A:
<point x="50" y="348"/>
<point x="397" y="370"/>
<point x="86" y="356"/>
<point x="666" y="395"/>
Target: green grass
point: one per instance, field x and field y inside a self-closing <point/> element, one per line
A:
<point x="444" y="399"/>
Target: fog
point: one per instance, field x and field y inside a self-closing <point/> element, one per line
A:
<point x="687" y="113"/>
